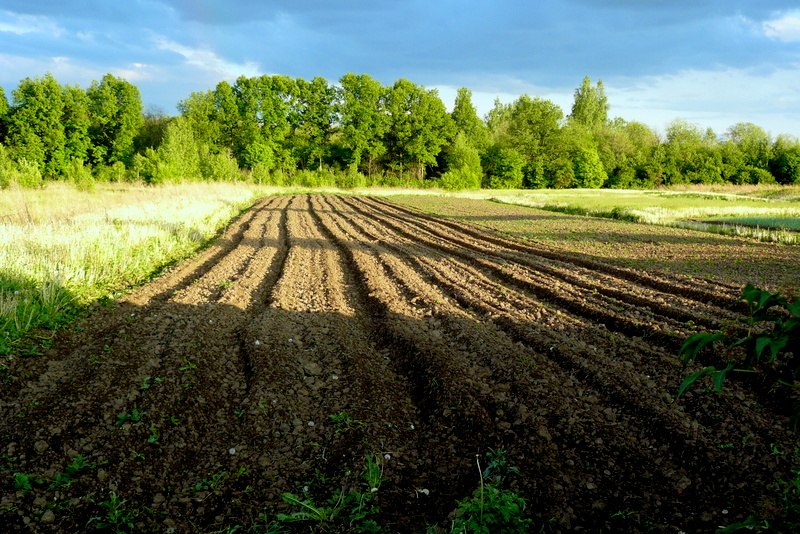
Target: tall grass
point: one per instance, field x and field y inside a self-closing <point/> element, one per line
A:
<point x="61" y="248"/>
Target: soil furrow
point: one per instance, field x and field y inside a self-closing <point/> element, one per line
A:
<point x="632" y="321"/>
<point x="717" y="292"/>
<point x="321" y="330"/>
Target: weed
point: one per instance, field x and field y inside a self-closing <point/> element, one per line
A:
<point x="225" y="284"/>
<point x="492" y="509"/>
<point x="74" y="470"/>
<point x="779" y="515"/>
<point x="117" y="518"/>
<point x="25" y="482"/>
<point x="210" y="484"/>
<point x="351" y="510"/>
<point x="762" y="347"/>
<point x="154" y="435"/>
<point x="344" y="422"/>
<point x="188" y="366"/>
<point x="146" y="384"/>
<point x="134" y="415"/>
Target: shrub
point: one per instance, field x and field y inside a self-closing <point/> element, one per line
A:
<point x="769" y="345"/>
<point x="503" y="168"/>
<point x="28" y="174"/>
<point x="215" y="167"/>
<point x="79" y="175"/>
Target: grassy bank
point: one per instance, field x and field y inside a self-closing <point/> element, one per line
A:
<point x="61" y="248"/>
<point x="767" y="213"/>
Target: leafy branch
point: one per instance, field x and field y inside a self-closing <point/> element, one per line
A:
<point x="769" y="345"/>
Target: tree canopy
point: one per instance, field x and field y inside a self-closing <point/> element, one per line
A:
<point x="270" y="128"/>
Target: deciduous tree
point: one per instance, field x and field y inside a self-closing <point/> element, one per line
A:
<point x="590" y="107"/>
<point x="36" y="130"/>
<point x="363" y="118"/>
<point x="466" y="120"/>
<point x="419" y="126"/>
<point x="116" y="109"/>
<point x="76" y="120"/>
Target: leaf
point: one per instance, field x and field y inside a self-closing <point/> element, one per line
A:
<point x="689" y="380"/>
<point x="719" y="377"/>
<point x="695" y="342"/>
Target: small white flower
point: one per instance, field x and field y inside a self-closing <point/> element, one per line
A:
<point x="311" y="423"/>
<point x="387" y="456"/>
<point x="412" y="426"/>
<point x="232" y="450"/>
<point x="724" y="511"/>
<point x="305" y="489"/>
<point x="334" y="377"/>
<point x="374" y="490"/>
<point x="257" y="342"/>
<point x="422" y="491"/>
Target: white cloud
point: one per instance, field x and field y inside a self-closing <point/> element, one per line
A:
<point x="208" y="60"/>
<point x="713" y="98"/>
<point x="135" y="72"/>
<point x="22" y="24"/>
<point x="786" y="29"/>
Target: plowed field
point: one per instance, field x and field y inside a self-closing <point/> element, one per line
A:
<point x="202" y="396"/>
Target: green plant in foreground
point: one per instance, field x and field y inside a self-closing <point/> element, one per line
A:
<point x="352" y="510"/>
<point x="491" y="509"/>
<point x="344" y="422"/>
<point x="117" y="518"/>
<point x="74" y="470"/>
<point x="780" y="516"/>
<point x="772" y="331"/>
<point x="25" y="482"/>
<point x="134" y="415"/>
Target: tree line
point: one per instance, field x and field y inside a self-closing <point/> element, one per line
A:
<point x="280" y="130"/>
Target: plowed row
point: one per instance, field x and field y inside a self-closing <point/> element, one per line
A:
<point x="439" y="340"/>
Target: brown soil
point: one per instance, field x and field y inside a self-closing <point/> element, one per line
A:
<point x="441" y="338"/>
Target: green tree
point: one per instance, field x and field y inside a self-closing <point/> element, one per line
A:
<point x="419" y="126"/>
<point x="116" y="109"/>
<point x="503" y="168"/>
<point x="3" y="115"/>
<point x="153" y="129"/>
<point x="363" y="119"/>
<point x="589" y="169"/>
<point x="76" y="120"/>
<point x="202" y="114"/>
<point x="36" y="130"/>
<point x="462" y="164"/>
<point x="466" y="120"/>
<point x="497" y="121"/>
<point x="786" y="162"/>
<point x="315" y="116"/>
<point x="625" y="148"/>
<point x="534" y="131"/>
<point x="177" y="158"/>
<point x="226" y="119"/>
<point x="754" y="143"/>
<point x="590" y="107"/>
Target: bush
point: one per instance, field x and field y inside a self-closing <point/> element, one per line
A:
<point x="463" y="163"/>
<point x="769" y="345"/>
<point x="503" y="168"/>
<point x="28" y="174"/>
<point x="79" y="175"/>
<point x="218" y="167"/>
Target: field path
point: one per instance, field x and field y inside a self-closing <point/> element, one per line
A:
<point x="321" y="329"/>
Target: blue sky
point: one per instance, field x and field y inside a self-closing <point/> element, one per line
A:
<point x="711" y="62"/>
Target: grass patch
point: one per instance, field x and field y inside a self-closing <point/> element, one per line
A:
<point x="693" y="209"/>
<point x="61" y="248"/>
